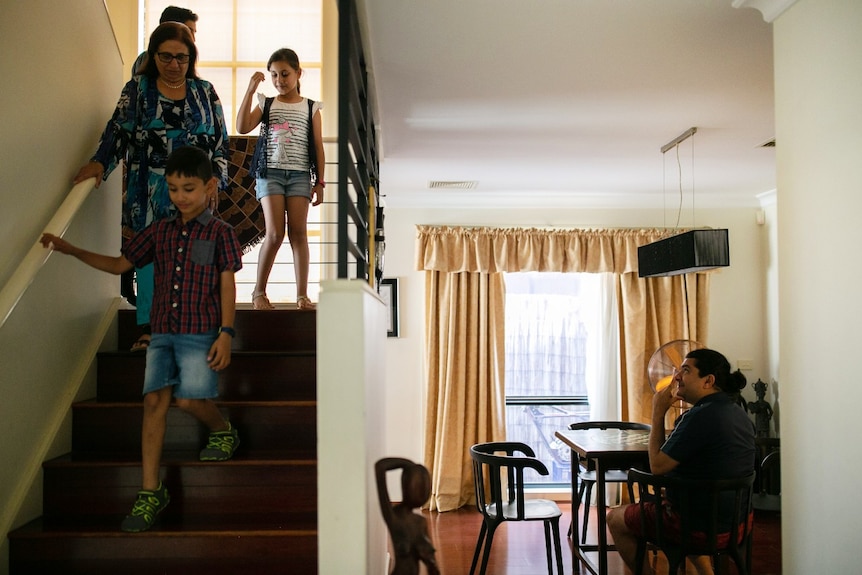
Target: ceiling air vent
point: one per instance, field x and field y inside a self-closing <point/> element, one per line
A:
<point x="768" y="144"/>
<point x="453" y="185"/>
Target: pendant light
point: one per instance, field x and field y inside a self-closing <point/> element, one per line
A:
<point x="691" y="251"/>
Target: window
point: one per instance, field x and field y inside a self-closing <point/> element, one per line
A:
<point x="236" y="37"/>
<point x="554" y="329"/>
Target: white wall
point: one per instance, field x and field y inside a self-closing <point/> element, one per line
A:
<point x="818" y="87"/>
<point x="62" y="74"/>
<point x="769" y="232"/>
<point x="60" y="85"/>
<point x="737" y="318"/>
<point x="351" y="327"/>
<point x="124" y="17"/>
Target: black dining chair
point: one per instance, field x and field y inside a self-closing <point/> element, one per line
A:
<point x="587" y="476"/>
<point x="494" y="463"/>
<point x="716" y="519"/>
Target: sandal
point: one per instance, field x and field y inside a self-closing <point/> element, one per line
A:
<point x="142" y="344"/>
<point x="259" y="301"/>
<point x="302" y="302"/>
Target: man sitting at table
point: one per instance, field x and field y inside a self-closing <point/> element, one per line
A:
<point x="712" y="440"/>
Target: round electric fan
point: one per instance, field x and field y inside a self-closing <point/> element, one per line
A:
<point x="666" y="360"/>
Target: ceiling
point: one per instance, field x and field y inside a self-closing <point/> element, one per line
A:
<point x="569" y="102"/>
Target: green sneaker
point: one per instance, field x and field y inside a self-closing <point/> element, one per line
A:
<point x="145" y="510"/>
<point x="221" y="445"/>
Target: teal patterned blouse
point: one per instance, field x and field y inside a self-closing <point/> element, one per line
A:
<point x="145" y="128"/>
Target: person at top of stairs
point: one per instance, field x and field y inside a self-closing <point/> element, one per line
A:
<point x="288" y="165"/>
<point x="196" y="256"/>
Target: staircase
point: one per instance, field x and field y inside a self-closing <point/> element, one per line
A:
<point x="254" y="514"/>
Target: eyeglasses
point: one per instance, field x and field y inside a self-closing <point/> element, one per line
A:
<point x="166" y="57"/>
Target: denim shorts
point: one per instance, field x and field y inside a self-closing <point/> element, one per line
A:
<point x="180" y="360"/>
<point x="288" y="183"/>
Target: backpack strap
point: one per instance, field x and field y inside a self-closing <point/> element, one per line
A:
<point x="267" y="104"/>
<point x="258" y="159"/>
<point x="312" y="150"/>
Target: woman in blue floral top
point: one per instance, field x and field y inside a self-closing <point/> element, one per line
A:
<point x="164" y="108"/>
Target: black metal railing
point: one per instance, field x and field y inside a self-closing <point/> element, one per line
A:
<point x="358" y="163"/>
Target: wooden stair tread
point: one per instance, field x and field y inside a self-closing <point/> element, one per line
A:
<point x="184" y="525"/>
<point x="279" y="329"/>
<point x="185" y="458"/>
<point x="179" y="547"/>
<point x="94" y="403"/>
<point x="234" y="353"/>
<point x="252" y="375"/>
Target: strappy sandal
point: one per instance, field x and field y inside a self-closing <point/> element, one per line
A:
<point x="259" y="301"/>
<point x="302" y="302"/>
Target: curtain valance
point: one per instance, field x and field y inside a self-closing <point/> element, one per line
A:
<point x="491" y="250"/>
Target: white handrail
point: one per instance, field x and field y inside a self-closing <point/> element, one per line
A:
<point x="37" y="256"/>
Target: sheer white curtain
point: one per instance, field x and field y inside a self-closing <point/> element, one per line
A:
<point x="603" y="375"/>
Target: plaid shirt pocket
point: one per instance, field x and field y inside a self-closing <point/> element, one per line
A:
<point x="203" y="252"/>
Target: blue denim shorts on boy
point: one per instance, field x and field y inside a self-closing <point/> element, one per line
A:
<point x="289" y="183"/>
<point x="180" y="360"/>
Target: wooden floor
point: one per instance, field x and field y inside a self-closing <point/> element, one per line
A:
<point x="519" y="548"/>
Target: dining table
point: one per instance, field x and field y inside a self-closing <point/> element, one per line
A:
<point x="602" y="449"/>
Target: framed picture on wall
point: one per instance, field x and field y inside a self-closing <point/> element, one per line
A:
<point x="389" y="295"/>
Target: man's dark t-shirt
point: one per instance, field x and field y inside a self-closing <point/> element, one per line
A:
<point x="712" y="440"/>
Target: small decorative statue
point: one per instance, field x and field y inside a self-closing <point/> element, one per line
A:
<point x="408" y="530"/>
<point x="761" y="409"/>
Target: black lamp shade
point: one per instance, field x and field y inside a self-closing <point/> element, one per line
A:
<point x="693" y="251"/>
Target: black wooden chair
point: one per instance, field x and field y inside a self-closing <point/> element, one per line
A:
<point x="767" y="486"/>
<point x="707" y="509"/>
<point x="498" y="501"/>
<point x="587" y="475"/>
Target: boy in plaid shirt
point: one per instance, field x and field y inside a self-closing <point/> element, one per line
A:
<point x="196" y="256"/>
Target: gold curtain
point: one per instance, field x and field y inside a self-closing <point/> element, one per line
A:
<point x="466" y="397"/>
<point x="465" y="305"/>
<point x="654" y="311"/>
<point x="491" y="250"/>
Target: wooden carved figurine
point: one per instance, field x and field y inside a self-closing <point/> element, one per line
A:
<point x="408" y="530"/>
<point x="761" y="409"/>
